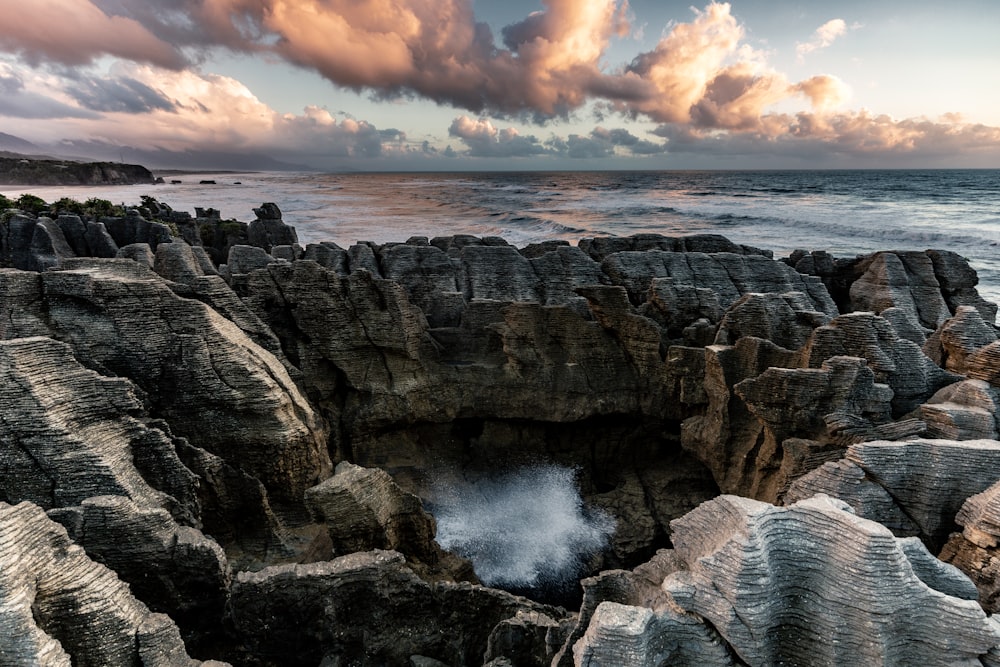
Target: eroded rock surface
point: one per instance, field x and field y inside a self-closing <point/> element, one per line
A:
<point x="772" y="583"/>
<point x="178" y="415"/>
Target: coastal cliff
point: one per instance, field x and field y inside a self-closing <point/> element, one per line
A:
<point x="22" y="170"/>
<point x="780" y="461"/>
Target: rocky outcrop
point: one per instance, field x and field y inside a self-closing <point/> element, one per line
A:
<point x="30" y="171"/>
<point x="974" y="549"/>
<point x="914" y="488"/>
<point x="771" y="582"/>
<point x="237" y="399"/>
<point x="369" y="608"/>
<point x="179" y="410"/>
<point x="58" y="607"/>
<point x="363" y="510"/>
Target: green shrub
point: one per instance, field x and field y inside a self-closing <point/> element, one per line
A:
<point x="31" y="204"/>
<point x="67" y="206"/>
<point x="102" y="207"/>
<point x="5" y="203"/>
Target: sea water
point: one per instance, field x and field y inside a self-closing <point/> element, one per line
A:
<point x="843" y="212"/>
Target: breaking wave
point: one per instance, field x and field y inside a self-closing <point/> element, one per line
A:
<point x="526" y="530"/>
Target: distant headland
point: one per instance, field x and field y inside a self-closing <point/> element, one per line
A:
<point x="24" y="170"/>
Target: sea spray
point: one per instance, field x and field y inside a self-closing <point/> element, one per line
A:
<point x="525" y="530"/>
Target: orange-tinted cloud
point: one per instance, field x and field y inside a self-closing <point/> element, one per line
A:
<point x="75" y="32"/>
<point x="702" y="82"/>
<point x="823" y="37"/>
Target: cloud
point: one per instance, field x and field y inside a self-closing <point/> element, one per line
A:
<point x="858" y="134"/>
<point x="823" y="37"/>
<point x="704" y="86"/>
<point x="483" y="139"/>
<point x="153" y="108"/>
<point x="76" y="32"/>
<point x="118" y="94"/>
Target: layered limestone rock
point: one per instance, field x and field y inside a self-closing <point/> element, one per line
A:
<point x="183" y="397"/>
<point x="58" y="607"/>
<point x="199" y="371"/>
<point x="363" y="509"/>
<point x="974" y="550"/>
<point x="914" y="488"/>
<point x="369" y="608"/>
<point x="773" y="583"/>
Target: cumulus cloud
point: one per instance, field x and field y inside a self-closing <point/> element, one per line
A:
<point x="483" y="139"/>
<point x="75" y="32"/>
<point x="702" y="83"/>
<point x="823" y="37"/>
<point x="184" y="109"/>
<point x="118" y="94"/>
<point x="850" y="134"/>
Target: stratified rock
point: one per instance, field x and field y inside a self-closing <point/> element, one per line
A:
<point x="966" y="410"/>
<point x="791" y="403"/>
<point x="814" y="584"/>
<point x="32" y="244"/>
<point x="366" y="608"/>
<point x="626" y="635"/>
<point x="787" y="320"/>
<point x="958" y="283"/>
<point x="246" y="258"/>
<point x="729" y="275"/>
<point x="639" y="587"/>
<point x="895" y="361"/>
<point x="974" y="550"/>
<point x="903" y="280"/>
<point x="133" y="228"/>
<point x="363" y="510"/>
<point x="70" y="434"/>
<point x="959" y="337"/>
<point x="58" y="607"/>
<point x="925" y="481"/>
<point x="268" y="230"/>
<point x="182" y="263"/>
<point x="202" y="374"/>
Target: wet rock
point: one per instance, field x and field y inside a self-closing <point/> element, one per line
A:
<point x="363" y="510"/>
<point x="367" y="608"/>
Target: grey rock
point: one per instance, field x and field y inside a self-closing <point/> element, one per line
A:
<point x="974" y="550"/>
<point x="927" y="480"/>
<point x="60" y="607"/>
<point x="268" y="229"/>
<point x="367" y="608"/>
<point x="246" y="259"/>
<point x="773" y="582"/>
<point x="363" y="510"/>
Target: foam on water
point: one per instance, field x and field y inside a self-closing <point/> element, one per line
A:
<point x="525" y="529"/>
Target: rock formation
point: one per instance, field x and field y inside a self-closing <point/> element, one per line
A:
<point x="177" y="391"/>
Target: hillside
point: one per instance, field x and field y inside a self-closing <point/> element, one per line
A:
<point x="19" y="170"/>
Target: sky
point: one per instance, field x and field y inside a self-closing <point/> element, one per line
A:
<point x="512" y="84"/>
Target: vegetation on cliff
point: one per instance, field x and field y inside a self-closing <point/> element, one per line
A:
<point x="29" y="171"/>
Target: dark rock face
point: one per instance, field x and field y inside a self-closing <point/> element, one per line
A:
<point x="179" y="409"/>
<point x="369" y="609"/>
<point x="23" y="171"/>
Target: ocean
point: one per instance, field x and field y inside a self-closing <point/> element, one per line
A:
<point x="844" y="212"/>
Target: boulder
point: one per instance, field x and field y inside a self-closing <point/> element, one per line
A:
<point x="363" y="510"/>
